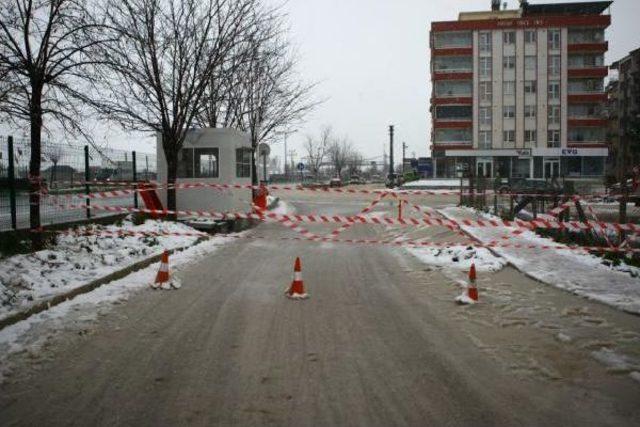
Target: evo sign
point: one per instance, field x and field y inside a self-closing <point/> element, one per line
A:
<point x="569" y="152"/>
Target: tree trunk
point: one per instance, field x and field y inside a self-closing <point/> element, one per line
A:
<point x="34" y="168"/>
<point x="172" y="172"/>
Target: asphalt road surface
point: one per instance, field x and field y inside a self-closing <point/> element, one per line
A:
<point x="379" y="342"/>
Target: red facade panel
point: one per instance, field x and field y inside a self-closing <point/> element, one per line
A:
<point x="458" y="124"/>
<point x="454" y="51"/>
<point x="601" y="21"/>
<point x="596" y="72"/>
<point x="587" y="122"/>
<point x="452" y="76"/>
<point x="588" y="98"/>
<point x="452" y="146"/>
<point x="452" y="101"/>
<point x="588" y="47"/>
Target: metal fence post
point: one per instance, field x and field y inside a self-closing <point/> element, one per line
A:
<point x="86" y="179"/>
<point x="12" y="184"/>
<point x="135" y="179"/>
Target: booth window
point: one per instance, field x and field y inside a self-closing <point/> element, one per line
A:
<point x="198" y="163"/>
<point x="243" y="162"/>
<point x="205" y="162"/>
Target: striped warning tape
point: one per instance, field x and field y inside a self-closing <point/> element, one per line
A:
<point x="413" y="243"/>
<point x="341" y="219"/>
<point x="348" y="190"/>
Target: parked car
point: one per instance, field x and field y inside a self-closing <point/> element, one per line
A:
<point x="355" y="180"/>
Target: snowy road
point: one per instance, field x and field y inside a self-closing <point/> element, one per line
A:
<point x="379" y="342"/>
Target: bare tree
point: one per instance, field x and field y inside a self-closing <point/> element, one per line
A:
<point x="266" y="93"/>
<point x="339" y="152"/>
<point x="355" y="161"/>
<point x="43" y="56"/>
<point x="165" y="56"/>
<point x="317" y="149"/>
<point x="53" y="153"/>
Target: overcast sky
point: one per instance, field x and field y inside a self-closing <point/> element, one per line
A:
<point x="371" y="58"/>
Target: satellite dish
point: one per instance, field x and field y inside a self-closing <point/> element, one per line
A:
<point x="264" y="149"/>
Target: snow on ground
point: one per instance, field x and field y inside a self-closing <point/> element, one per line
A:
<point x="283" y="208"/>
<point x="32" y="334"/>
<point x="433" y="183"/>
<point x="459" y="257"/>
<point x="77" y="260"/>
<point x="577" y="272"/>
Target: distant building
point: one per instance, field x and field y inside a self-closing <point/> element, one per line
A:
<point x="624" y="115"/>
<point x="521" y="92"/>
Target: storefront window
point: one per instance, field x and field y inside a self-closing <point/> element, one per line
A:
<point x="521" y="168"/>
<point x="593" y="166"/>
<point x="537" y="167"/>
<point x="502" y="165"/>
<point x="571" y="166"/>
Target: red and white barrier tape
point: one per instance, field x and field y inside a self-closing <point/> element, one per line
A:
<point x="414" y="243"/>
<point x="340" y="219"/>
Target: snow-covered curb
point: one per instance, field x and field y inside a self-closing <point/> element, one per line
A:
<point x="29" y="280"/>
<point x="32" y="333"/>
<point x="580" y="273"/>
<point x="459" y="258"/>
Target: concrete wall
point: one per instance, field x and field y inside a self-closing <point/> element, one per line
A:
<point x="226" y="140"/>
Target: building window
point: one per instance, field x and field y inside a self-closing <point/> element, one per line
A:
<point x="530" y="86"/>
<point x="530" y="136"/>
<point x="509" y="111"/>
<point x="553" y="139"/>
<point x="484" y="139"/>
<point x="554" y="115"/>
<point x="452" y="39"/>
<point x="530" y="111"/>
<point x="509" y="37"/>
<point x="554" y="65"/>
<point x="485" y="90"/>
<point x="593" y="166"/>
<point x="530" y="62"/>
<point x="554" y="90"/>
<point x="530" y="36"/>
<point x="485" y="42"/>
<point x="485" y="67"/>
<point x="453" y="135"/>
<point x="453" y="88"/>
<point x="509" y="62"/>
<point x="243" y="162"/>
<point x="453" y="63"/>
<point x="509" y="88"/>
<point x="454" y="112"/>
<point x="485" y="116"/>
<point x="509" y="136"/>
<point x="554" y="39"/>
<point x="198" y="163"/>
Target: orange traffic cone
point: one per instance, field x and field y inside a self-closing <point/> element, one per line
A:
<point x="162" y="278"/>
<point x="296" y="290"/>
<point x="472" y="290"/>
<point x="470" y="296"/>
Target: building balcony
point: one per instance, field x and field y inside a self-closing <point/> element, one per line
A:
<point x="593" y="47"/>
<point x="453" y="51"/>
<point x="452" y="100"/>
<point x="588" y="71"/>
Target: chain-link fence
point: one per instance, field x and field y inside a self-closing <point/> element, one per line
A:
<point x="66" y="172"/>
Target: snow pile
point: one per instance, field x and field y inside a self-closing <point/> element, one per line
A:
<point x="575" y="271"/>
<point x="459" y="257"/>
<point x="283" y="208"/>
<point x="77" y="260"/>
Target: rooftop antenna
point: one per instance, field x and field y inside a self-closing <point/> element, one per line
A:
<point x="495" y="5"/>
<point x="504" y="6"/>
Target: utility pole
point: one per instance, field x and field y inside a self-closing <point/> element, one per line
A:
<point x="391" y="152"/>
<point x="404" y="152"/>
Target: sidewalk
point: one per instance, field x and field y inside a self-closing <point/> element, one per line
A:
<point x="577" y="272"/>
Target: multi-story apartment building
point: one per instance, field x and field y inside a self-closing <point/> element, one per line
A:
<point x="624" y="115"/>
<point x="521" y="92"/>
